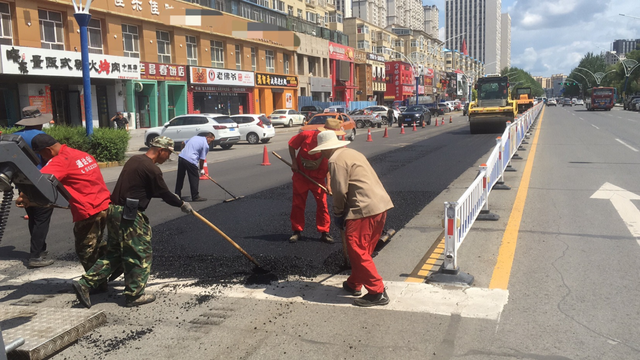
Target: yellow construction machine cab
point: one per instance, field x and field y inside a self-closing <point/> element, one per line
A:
<point x="493" y="107"/>
<point x="523" y="98"/>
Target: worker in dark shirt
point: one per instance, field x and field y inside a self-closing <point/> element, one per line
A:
<point x="129" y="240"/>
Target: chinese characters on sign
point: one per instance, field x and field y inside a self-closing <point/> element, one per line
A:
<point x="200" y="75"/>
<point x="35" y="61"/>
<point x="163" y="72"/>
<point x="267" y="79"/>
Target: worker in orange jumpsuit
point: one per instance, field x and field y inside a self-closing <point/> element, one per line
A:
<point x="316" y="168"/>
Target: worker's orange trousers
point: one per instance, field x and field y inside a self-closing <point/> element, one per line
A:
<point x="301" y="186"/>
<point x="362" y="237"/>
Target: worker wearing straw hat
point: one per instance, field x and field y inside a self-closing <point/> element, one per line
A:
<point x="360" y="205"/>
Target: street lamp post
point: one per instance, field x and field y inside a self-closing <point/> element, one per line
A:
<point x="82" y="18"/>
<point x="415" y="69"/>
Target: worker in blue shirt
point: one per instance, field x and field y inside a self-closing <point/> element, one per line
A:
<point x="191" y="162"/>
<point x="39" y="217"/>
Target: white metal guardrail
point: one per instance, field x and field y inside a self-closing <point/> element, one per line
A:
<point x="473" y="205"/>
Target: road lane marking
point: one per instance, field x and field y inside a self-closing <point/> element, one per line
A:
<point x="580" y="118"/>
<point x="507" y="251"/>
<point x="595" y="127"/>
<point x="621" y="200"/>
<point x="627" y="145"/>
<point x="427" y="263"/>
<point x="632" y="120"/>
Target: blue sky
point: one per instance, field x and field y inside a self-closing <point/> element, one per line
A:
<point x="551" y="36"/>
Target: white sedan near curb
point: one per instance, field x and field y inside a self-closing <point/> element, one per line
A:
<point x="286" y="117"/>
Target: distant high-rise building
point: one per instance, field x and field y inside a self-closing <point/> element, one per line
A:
<point x="556" y="84"/>
<point x="622" y="47"/>
<point x="344" y="6"/>
<point x="406" y="13"/>
<point x="505" y="45"/>
<point x="479" y="23"/>
<point x="610" y="57"/>
<point x="431" y="22"/>
<point x="371" y="11"/>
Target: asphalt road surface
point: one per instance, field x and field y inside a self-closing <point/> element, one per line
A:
<point x="571" y="292"/>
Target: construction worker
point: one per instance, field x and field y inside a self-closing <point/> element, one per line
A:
<point x="81" y="176"/>
<point x="315" y="167"/>
<point x="390" y="116"/>
<point x="360" y="205"/>
<point x="120" y="121"/>
<point x="129" y="240"/>
<point x="39" y="217"/>
<point x="191" y="162"/>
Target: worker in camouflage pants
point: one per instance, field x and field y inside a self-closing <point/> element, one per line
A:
<point x="128" y="240"/>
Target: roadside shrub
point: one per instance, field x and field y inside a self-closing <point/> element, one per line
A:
<point x="72" y="136"/>
<point x="109" y="144"/>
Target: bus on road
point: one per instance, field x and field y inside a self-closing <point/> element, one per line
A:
<point x="600" y="98"/>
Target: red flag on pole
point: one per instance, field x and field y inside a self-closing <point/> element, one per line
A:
<point x="464" y="47"/>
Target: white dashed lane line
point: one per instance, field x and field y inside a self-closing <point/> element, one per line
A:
<point x="595" y="127"/>
<point x="627" y="145"/>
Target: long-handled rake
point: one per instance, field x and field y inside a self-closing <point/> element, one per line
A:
<point x="227" y="191"/>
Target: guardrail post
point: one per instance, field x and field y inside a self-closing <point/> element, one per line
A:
<point x="449" y="271"/>
<point x="485" y="214"/>
<point x="499" y="185"/>
<point x="515" y="155"/>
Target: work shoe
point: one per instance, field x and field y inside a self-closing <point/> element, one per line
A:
<point x="143" y="299"/>
<point x="295" y="237"/>
<point x="372" y="300"/>
<point x="326" y="238"/>
<point x="199" y="198"/>
<point x="82" y="293"/>
<point x="41" y="261"/>
<point x="351" y="290"/>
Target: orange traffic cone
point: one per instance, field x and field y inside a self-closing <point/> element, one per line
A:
<point x="423" y="124"/>
<point x="436" y="122"/>
<point x="414" y="126"/>
<point x="206" y="172"/>
<point x="442" y="121"/>
<point x="402" y="129"/>
<point x="386" y="135"/>
<point x="369" y="139"/>
<point x="343" y="137"/>
<point x="450" y="120"/>
<point x="265" y="157"/>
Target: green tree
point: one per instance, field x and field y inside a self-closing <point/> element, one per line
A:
<point x="595" y="64"/>
<point x="519" y="78"/>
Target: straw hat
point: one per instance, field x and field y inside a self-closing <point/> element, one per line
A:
<point x="328" y="140"/>
<point x="334" y="125"/>
<point x="31" y="116"/>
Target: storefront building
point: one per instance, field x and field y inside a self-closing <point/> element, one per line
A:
<point x="52" y="80"/>
<point x="428" y="82"/>
<point x="363" y="81"/>
<point x="400" y="81"/>
<point x="220" y="91"/>
<point x="378" y="82"/>
<point x="341" y="62"/>
<point x="275" y="91"/>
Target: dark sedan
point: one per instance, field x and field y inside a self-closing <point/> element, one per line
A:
<point x="416" y="113"/>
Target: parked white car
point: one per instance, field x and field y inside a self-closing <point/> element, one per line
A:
<point x="254" y="128"/>
<point x="286" y="117"/>
<point x="340" y="109"/>
<point x="184" y="127"/>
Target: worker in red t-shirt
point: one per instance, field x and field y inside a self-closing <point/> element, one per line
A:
<point x="316" y="168"/>
<point x="90" y="198"/>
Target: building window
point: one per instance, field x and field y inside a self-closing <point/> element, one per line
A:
<point x="164" y="46"/>
<point x="217" y="54"/>
<point x="300" y="13"/>
<point x="130" y="41"/>
<point x="290" y="10"/>
<point x="51" y="33"/>
<point x="363" y="44"/>
<point x="6" y="37"/>
<point x="311" y="16"/>
<point x="238" y="58"/>
<point x="95" y="36"/>
<point x="253" y="59"/>
<point x="281" y="6"/>
<point x="270" y="61"/>
<point x="192" y="50"/>
<point x="286" y="63"/>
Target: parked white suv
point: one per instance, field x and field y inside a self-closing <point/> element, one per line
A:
<point x="286" y="117"/>
<point x="254" y="128"/>
<point x="184" y="127"/>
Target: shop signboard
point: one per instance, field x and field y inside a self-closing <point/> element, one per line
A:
<point x="375" y="57"/>
<point x="21" y="60"/>
<point x="40" y="102"/>
<point x="340" y="52"/>
<point x="428" y="73"/>
<point x="163" y="72"/>
<point x="268" y="79"/>
<point x="289" y="100"/>
<point x="199" y="75"/>
<point x="360" y="57"/>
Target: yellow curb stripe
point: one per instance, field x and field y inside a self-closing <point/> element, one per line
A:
<point x="502" y="270"/>
<point x="428" y="264"/>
